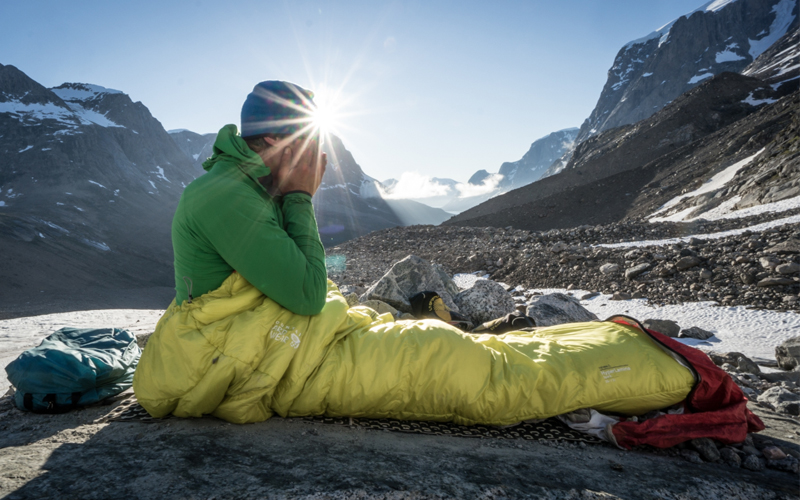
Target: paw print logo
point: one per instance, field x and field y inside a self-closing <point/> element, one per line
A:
<point x="295" y="341"/>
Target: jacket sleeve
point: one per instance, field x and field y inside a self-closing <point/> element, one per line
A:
<point x="286" y="263"/>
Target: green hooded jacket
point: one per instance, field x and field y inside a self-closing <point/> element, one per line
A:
<point x="226" y="221"/>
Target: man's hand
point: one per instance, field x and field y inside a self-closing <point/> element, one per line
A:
<point x="301" y="172"/>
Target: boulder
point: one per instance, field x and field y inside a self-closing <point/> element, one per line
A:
<point x="788" y="354"/>
<point x="781" y="399"/>
<point x="407" y="278"/>
<point x="621" y="296"/>
<point x="609" y="268"/>
<point x="789" y="246"/>
<point x="790" y="268"/>
<point x="687" y="262"/>
<point x="664" y="326"/>
<point x="775" y="282"/>
<point x="556" y="309"/>
<point x="695" y="333"/>
<point x="484" y="301"/>
<point x="706" y="448"/>
<point x="635" y="271"/>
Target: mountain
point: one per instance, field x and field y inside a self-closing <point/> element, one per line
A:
<point x="89" y="182"/>
<point x="720" y="36"/>
<point x="197" y="146"/>
<point x="483" y="185"/>
<point x="349" y="203"/>
<point x="631" y="171"/>
<point x="541" y="155"/>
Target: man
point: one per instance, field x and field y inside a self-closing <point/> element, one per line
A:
<point x="252" y="213"/>
<point x="275" y="337"/>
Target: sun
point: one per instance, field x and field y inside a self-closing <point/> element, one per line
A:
<point x="326" y="111"/>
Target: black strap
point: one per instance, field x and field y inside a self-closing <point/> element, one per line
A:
<point x="52" y="405"/>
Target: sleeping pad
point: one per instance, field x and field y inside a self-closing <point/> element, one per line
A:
<point x="238" y="355"/>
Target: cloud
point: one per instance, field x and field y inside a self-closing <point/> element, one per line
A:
<point x="489" y="184"/>
<point x="416" y="186"/>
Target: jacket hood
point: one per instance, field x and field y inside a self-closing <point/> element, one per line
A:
<point x="230" y="147"/>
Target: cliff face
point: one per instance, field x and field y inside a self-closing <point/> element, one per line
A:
<point x="722" y="36"/>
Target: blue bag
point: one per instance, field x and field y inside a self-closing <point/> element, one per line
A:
<point x="74" y="367"/>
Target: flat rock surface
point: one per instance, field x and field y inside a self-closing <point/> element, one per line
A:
<point x="67" y="456"/>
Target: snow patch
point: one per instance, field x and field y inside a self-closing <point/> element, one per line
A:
<point x="726" y="209"/>
<point x="714" y="183"/>
<point x="160" y="174"/>
<point x="97" y="184"/>
<point x="752" y="332"/>
<point x="646" y="75"/>
<point x="757" y="102"/>
<point x="152" y="184"/>
<point x="794" y="219"/>
<point x="727" y="56"/>
<point x="26" y="149"/>
<point x="82" y="91"/>
<point x="2" y="203"/>
<point x="778" y="28"/>
<point x="698" y="78"/>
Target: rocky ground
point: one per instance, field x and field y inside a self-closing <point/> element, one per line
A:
<point x="758" y="269"/>
<point x="70" y="456"/>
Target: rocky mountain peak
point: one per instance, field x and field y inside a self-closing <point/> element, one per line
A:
<point x="16" y="86"/>
<point x="720" y="36"/>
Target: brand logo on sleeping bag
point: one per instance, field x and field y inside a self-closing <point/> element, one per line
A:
<point x="283" y="333"/>
<point x="609" y="372"/>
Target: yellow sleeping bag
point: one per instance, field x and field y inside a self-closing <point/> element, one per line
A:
<point x="240" y="356"/>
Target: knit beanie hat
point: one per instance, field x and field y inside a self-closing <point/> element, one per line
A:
<point x="276" y="107"/>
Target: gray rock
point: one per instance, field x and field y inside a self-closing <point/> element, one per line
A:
<point x="484" y="301"/>
<point x="780" y="399"/>
<point x="609" y="268"/>
<point x="352" y="299"/>
<point x="406" y="279"/>
<point x="706" y="448"/>
<point x="753" y="463"/>
<point x="695" y="333"/>
<point x="556" y="309"/>
<point x="664" y="326"/>
<point x="788" y="354"/>
<point x="142" y="338"/>
<point x="768" y="262"/>
<point x="589" y="295"/>
<point x="621" y="296"/>
<point x="791" y="268"/>
<point x="691" y="456"/>
<point x="730" y="457"/>
<point x="789" y="246"/>
<point x="706" y="274"/>
<point x="558" y="247"/>
<point x="775" y="282"/>
<point x="635" y="271"/>
<point x="687" y="262"/>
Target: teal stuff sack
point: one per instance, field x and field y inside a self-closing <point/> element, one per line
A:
<point x="74" y="367"/>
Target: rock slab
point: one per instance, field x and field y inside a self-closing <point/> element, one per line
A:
<point x="484" y="301"/>
<point x="407" y="278"/>
<point x="557" y="309"/>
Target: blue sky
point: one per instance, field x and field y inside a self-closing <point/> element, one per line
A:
<point x="438" y="88"/>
